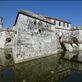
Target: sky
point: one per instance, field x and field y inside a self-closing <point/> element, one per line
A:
<point x="70" y="11"/>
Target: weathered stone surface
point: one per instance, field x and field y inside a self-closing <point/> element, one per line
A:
<point x="2" y="57"/>
<point x="33" y="39"/>
<point x="64" y="33"/>
<point x="2" y="39"/>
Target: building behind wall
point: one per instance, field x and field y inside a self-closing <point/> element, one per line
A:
<point x="58" y="23"/>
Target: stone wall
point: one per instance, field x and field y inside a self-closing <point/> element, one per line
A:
<point x="65" y="35"/>
<point x="5" y="46"/>
<point x="2" y="39"/>
<point x="2" y="57"/>
<point x="80" y="39"/>
<point x="34" y="39"/>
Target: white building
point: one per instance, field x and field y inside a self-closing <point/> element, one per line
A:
<point x="58" y="23"/>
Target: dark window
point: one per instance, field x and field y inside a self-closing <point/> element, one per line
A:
<point x="8" y="39"/>
<point x="67" y="25"/>
<point x="54" y="22"/>
<point x="39" y="30"/>
<point x="64" y="24"/>
<point x="8" y="56"/>
<point x="59" y="23"/>
<point x="35" y="22"/>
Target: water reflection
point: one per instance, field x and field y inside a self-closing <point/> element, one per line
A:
<point x="75" y="61"/>
<point x="74" y="77"/>
<point x="63" y="69"/>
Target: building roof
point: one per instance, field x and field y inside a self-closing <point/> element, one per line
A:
<point x="57" y="19"/>
<point x="37" y="16"/>
<point x="33" y="15"/>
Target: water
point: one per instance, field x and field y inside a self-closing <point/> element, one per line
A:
<point x="74" y="77"/>
<point x="76" y="62"/>
<point x="47" y="69"/>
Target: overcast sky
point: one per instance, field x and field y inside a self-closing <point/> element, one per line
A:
<point x="70" y="11"/>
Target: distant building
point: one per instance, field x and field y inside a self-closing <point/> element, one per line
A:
<point x="58" y="23"/>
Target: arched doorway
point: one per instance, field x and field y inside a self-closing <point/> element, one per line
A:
<point x="74" y="40"/>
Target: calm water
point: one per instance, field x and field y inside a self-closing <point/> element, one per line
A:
<point x="74" y="77"/>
